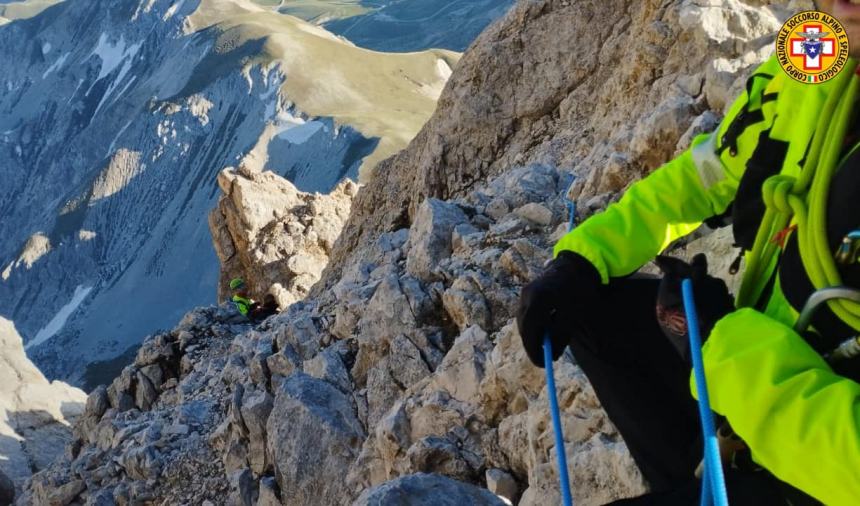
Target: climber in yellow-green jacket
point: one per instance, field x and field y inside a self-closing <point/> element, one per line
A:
<point x="248" y="307"/>
<point x="783" y="168"/>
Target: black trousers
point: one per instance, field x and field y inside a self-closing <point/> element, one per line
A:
<point x="643" y="384"/>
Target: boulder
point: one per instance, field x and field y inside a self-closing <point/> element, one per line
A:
<point x="274" y="236"/>
<point x="502" y="484"/>
<point x="430" y="236"/>
<point x="256" y="407"/>
<point x="314" y="436"/>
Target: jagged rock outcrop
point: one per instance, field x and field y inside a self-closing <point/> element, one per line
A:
<point x="402" y="369"/>
<point x="274" y="236"/>
<point x="35" y="414"/>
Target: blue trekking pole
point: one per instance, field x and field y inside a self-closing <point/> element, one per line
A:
<point x="556" y="422"/>
<point x="713" y="481"/>
<point x="566" y="498"/>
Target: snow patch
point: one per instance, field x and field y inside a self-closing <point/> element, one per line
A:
<point x="86" y="235"/>
<point x="434" y="90"/>
<point x="172" y="10"/>
<point x="116" y="138"/>
<point x="112" y="55"/>
<point x="59" y="320"/>
<point x="46" y="48"/>
<point x="294" y="129"/>
<point x="299" y="133"/>
<point x="80" y="82"/>
<point x="443" y="69"/>
<point x="56" y="65"/>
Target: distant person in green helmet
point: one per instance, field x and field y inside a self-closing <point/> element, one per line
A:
<point x="247" y="306"/>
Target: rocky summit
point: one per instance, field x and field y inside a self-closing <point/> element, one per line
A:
<point x="395" y="373"/>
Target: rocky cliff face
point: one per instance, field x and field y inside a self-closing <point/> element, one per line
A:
<point x="35" y="414"/>
<point x="400" y="377"/>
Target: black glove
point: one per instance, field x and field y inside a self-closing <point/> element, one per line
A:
<point x="713" y="300"/>
<point x="568" y="275"/>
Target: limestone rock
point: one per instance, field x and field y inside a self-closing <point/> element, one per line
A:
<point x="556" y="101"/>
<point x="256" y="408"/>
<point x="536" y="213"/>
<point x="502" y="484"/>
<point x="312" y="427"/>
<point x="274" y="236"/>
<point x="430" y="236"/>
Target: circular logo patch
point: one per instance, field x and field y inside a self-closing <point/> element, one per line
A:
<point x="812" y="47"/>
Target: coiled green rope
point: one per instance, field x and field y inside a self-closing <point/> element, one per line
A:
<point x="804" y="199"/>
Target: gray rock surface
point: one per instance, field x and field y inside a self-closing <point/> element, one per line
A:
<point x="315" y="435"/>
<point x="430" y="236"/>
<point x="427" y="490"/>
<point x="502" y="484"/>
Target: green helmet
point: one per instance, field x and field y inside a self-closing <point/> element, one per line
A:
<point x="237" y="283"/>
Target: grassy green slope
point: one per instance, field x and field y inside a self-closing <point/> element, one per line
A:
<point x="384" y="95"/>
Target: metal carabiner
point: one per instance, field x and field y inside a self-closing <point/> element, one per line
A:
<point x="849" y="249"/>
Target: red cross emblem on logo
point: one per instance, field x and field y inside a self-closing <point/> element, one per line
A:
<point x="827" y="48"/>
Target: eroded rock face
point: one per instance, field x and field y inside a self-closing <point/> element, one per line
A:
<point x="272" y="235"/>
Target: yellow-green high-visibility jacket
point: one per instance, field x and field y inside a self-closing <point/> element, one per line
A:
<point x="242" y="304"/>
<point x="800" y="419"/>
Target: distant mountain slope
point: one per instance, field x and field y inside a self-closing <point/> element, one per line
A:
<point x="413" y="25"/>
<point x="114" y="123"/>
<point x="22" y="9"/>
